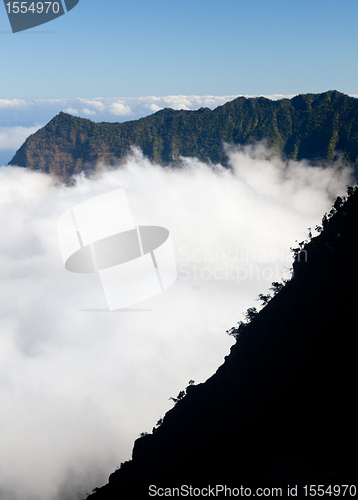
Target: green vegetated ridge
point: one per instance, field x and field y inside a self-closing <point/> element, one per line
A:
<point x="312" y="126"/>
<point x="281" y="408"/>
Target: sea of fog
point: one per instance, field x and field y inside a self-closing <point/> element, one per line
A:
<point x="78" y="387"/>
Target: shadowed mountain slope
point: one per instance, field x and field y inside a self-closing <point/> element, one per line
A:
<point x="281" y="409"/>
<point x="312" y="126"/>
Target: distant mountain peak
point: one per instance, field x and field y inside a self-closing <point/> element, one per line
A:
<point x="308" y="126"/>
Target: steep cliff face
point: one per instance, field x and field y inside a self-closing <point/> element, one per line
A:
<point x="281" y="409"/>
<point x="312" y="126"/>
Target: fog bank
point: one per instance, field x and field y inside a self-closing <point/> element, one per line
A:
<point x="78" y="387"/>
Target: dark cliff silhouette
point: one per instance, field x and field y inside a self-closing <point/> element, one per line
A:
<point x="281" y="409"/>
<point x="311" y="126"/>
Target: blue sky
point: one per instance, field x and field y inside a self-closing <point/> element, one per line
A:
<point x="191" y="47"/>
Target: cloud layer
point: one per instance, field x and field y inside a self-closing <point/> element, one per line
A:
<point x="77" y="387"/>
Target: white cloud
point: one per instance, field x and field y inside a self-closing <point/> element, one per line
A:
<point x="153" y="107"/>
<point x="294" y="183"/>
<point x="78" y="387"/>
<point x="71" y="111"/>
<point x="120" y="109"/>
<point x="89" y="112"/>
<point x="15" y="103"/>
<point x="95" y="103"/>
<point x="11" y="138"/>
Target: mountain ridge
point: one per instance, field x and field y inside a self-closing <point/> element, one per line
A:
<point x="317" y="127"/>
